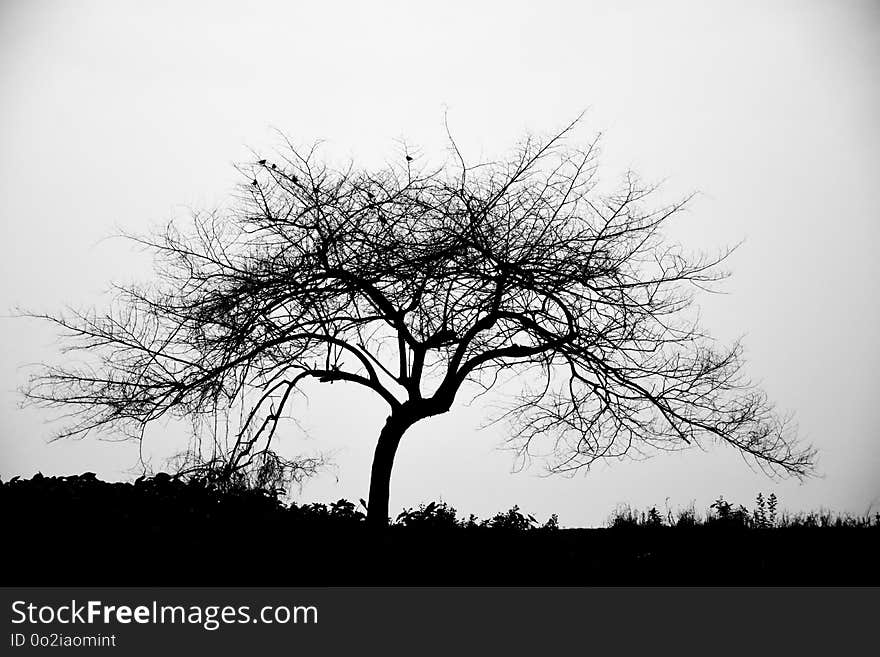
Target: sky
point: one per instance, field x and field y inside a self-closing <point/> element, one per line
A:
<point x="123" y="115"/>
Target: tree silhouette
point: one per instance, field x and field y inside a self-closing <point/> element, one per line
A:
<point x="417" y="283"/>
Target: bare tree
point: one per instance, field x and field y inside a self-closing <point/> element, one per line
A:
<point x="416" y="283"/>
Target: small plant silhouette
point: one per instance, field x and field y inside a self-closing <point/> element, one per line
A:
<point x="726" y="515"/>
<point x="759" y="515"/>
<point x="431" y="516"/>
<point x="511" y="520"/>
<point x="771" y="507"/>
<point x="654" y="519"/>
<point x="552" y="523"/>
<point x="764" y="516"/>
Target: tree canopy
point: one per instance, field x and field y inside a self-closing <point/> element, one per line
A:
<point x="416" y="282"/>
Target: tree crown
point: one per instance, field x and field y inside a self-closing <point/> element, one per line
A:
<point x="411" y="282"/>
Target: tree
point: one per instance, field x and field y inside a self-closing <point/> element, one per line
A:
<point x="417" y="284"/>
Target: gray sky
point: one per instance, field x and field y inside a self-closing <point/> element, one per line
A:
<point x="124" y="114"/>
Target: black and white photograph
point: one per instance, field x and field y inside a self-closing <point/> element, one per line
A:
<point x="332" y="322"/>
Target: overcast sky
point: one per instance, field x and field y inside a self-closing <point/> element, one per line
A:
<point x="124" y="114"/>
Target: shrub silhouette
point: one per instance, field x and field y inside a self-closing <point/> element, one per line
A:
<point x="169" y="530"/>
<point x="512" y="520"/>
<point x="727" y="516"/>
<point x="433" y="516"/>
<point x="339" y="514"/>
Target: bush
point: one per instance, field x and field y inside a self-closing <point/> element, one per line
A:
<point x="432" y="516"/>
<point x="724" y="514"/>
<point x="512" y="520"/>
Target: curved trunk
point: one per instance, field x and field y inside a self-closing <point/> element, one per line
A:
<point x="380" y="477"/>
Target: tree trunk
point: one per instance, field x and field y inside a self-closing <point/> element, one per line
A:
<point x="380" y="478"/>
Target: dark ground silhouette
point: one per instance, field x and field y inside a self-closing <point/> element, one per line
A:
<point x="164" y="531"/>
